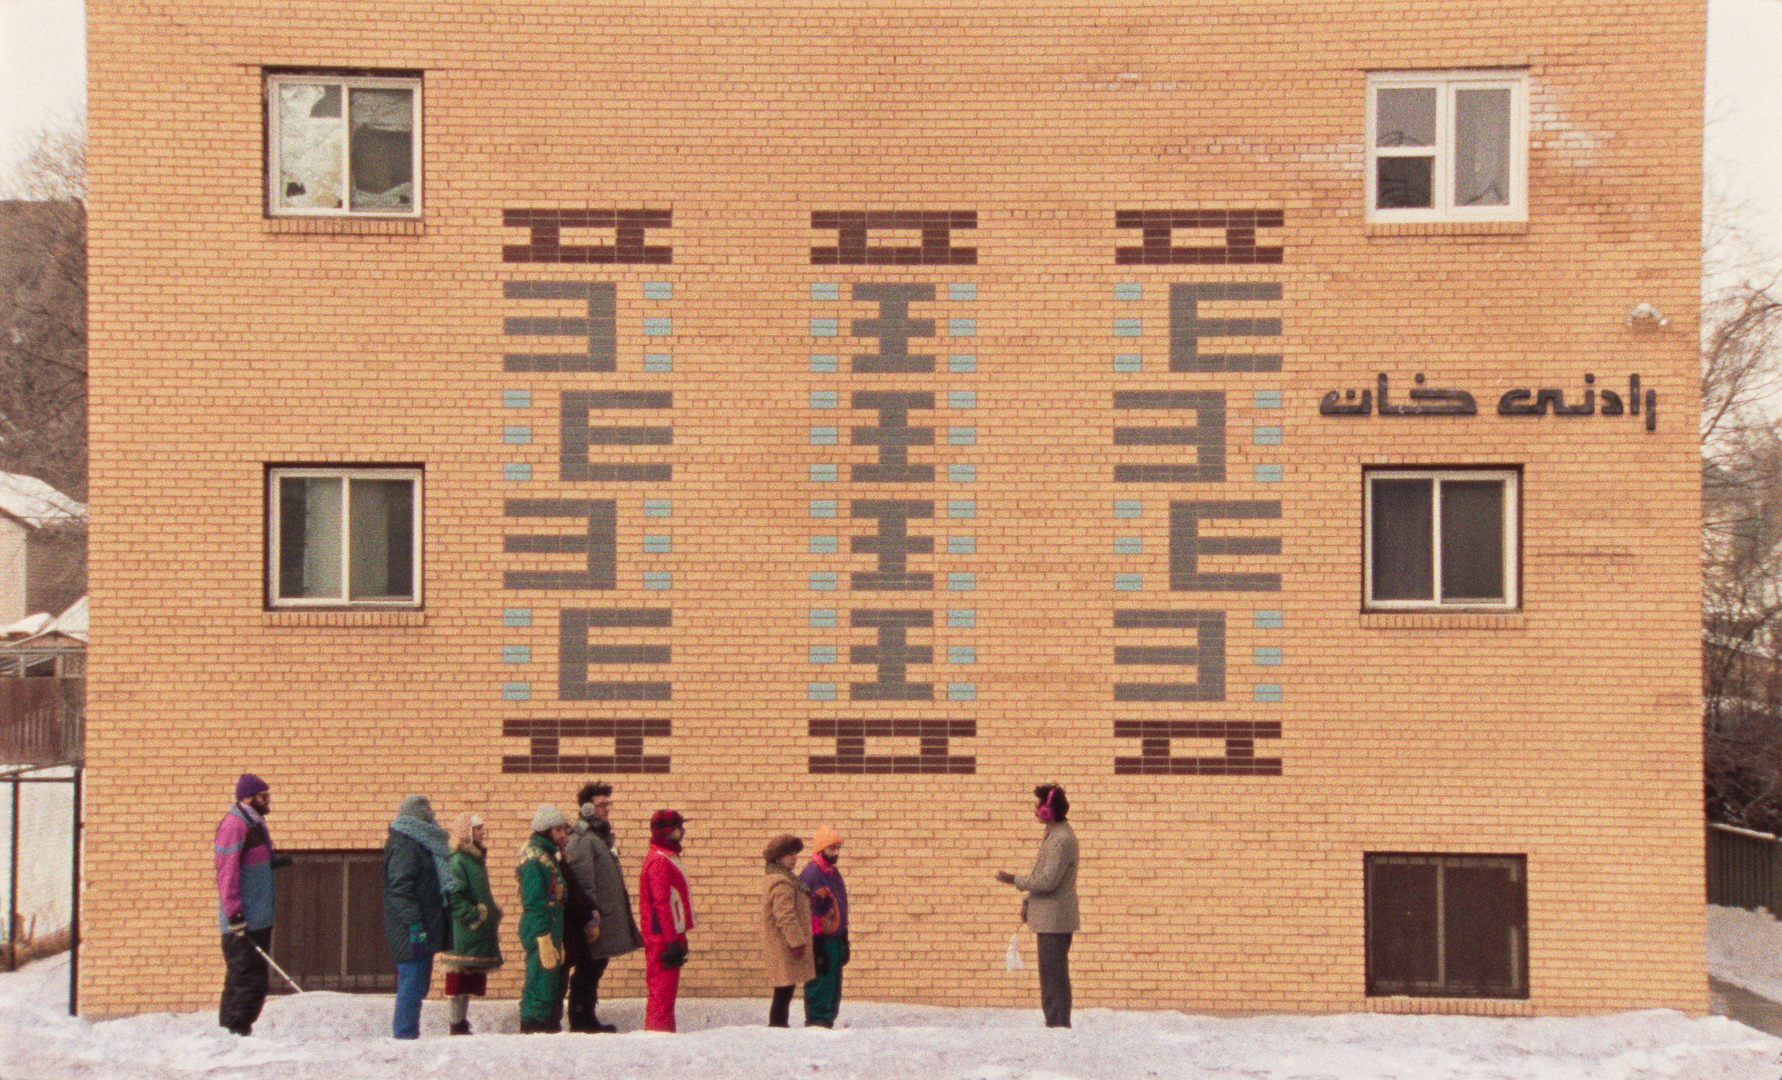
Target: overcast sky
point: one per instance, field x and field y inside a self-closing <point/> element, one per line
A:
<point x="43" y="77"/>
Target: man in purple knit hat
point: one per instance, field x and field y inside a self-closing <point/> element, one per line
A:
<point x="244" y="908"/>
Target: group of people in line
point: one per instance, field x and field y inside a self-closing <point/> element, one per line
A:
<point x="576" y="914"/>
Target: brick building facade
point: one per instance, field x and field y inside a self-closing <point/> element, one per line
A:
<point x="1244" y="415"/>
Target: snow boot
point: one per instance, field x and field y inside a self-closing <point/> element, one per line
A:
<point x="462" y="1027"/>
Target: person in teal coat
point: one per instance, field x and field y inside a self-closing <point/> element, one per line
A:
<point x="476" y="920"/>
<point x="541" y="921"/>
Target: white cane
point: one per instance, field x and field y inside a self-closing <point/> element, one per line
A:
<point x="275" y="967"/>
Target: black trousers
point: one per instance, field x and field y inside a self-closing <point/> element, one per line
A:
<point x="779" y="1014"/>
<point x="581" y="980"/>
<point x="244" y="980"/>
<point x="1054" y="965"/>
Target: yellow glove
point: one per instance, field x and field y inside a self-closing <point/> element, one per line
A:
<point x="548" y="956"/>
<point x="592" y="931"/>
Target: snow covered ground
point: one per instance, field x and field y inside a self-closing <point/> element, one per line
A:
<point x="328" y="1036"/>
<point x="1745" y="949"/>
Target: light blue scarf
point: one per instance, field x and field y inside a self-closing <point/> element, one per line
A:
<point x="435" y="839"/>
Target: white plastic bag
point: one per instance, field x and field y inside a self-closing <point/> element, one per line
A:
<point x="1012" y="959"/>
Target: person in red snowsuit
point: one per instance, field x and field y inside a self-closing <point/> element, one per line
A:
<point x="665" y="913"/>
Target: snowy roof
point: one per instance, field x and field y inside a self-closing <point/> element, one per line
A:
<point x="71" y="624"/>
<point x="36" y="503"/>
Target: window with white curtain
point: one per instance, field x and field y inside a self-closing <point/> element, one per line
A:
<point x="1447" y="146"/>
<point x="343" y="145"/>
<point x="344" y="537"/>
<point x="1442" y="538"/>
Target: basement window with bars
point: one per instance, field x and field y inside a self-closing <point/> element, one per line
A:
<point x="343" y="145"/>
<point x="329" y="934"/>
<point x="1447" y="925"/>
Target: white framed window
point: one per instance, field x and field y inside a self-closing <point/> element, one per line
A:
<point x="1441" y="538"/>
<point x="1447" y="146"/>
<point x="343" y="536"/>
<point x="340" y="145"/>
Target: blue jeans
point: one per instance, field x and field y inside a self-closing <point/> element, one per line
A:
<point x="412" y="979"/>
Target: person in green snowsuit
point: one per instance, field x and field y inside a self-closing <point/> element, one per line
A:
<point x="476" y="919"/>
<point x="541" y="921"/>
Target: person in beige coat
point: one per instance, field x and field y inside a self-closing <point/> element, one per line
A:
<point x="1050" y="907"/>
<point x="785" y="926"/>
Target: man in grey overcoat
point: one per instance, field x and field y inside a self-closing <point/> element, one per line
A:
<point x="599" y="923"/>
<point x="1050" y="907"/>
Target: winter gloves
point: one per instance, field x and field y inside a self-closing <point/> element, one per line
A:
<point x="591" y="932"/>
<point x="417" y="942"/>
<point x="674" y="955"/>
<point x="548" y="956"/>
<point x="238" y="925"/>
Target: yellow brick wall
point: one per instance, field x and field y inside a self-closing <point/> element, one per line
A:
<point x="222" y="342"/>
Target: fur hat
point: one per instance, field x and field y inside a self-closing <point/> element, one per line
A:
<point x="827" y="838"/>
<point x="417" y="806"/>
<point x="547" y="818"/>
<point x="663" y="822"/>
<point x="462" y="826"/>
<point x="781" y="846"/>
<point x="250" y="785"/>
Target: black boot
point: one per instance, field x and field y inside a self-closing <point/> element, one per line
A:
<point x="462" y="1027"/>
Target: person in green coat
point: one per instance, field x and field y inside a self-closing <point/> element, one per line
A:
<point x="541" y="921"/>
<point x="476" y="918"/>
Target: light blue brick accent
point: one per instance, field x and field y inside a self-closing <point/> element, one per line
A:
<point x="1129" y="582"/>
<point x="658" y="579"/>
<point x="962" y="691"/>
<point x="658" y="326"/>
<point x="962" y="582"/>
<point x="822" y="654"/>
<point x="657" y="544"/>
<point x="1269" y="620"/>
<point x="516" y="691"/>
<point x="825" y="327"/>
<point x="825" y="436"/>
<point x="1267" y="692"/>
<point x="516" y="616"/>
<point x="1267" y="399"/>
<point x="962" y="436"/>
<point x="1129" y="545"/>
<point x="822" y="474"/>
<point x="517" y="399"/>
<point x="962" y="654"/>
<point x="962" y="508"/>
<point x="825" y="290"/>
<point x="1128" y="327"/>
<point x="962" y="291"/>
<point x="516" y="435"/>
<point x="824" y="617"/>
<point x="658" y="508"/>
<point x="823" y="581"/>
<point x="825" y="399"/>
<point x="658" y="361"/>
<point x="1128" y="508"/>
<point x="517" y="473"/>
<point x="962" y="399"/>
<point x="658" y="290"/>
<point x="820" y="691"/>
<point x="1128" y="362"/>
<point x="825" y="362"/>
<point x="825" y="545"/>
<point x="516" y="654"/>
<point x="1129" y="290"/>
<point x="962" y="545"/>
<point x="1269" y="655"/>
<point x="962" y="328"/>
<point x="962" y="618"/>
<point x="1266" y="436"/>
<point x="824" y="508"/>
<point x="1270" y="473"/>
<point x="962" y="363"/>
<point x="962" y="474"/>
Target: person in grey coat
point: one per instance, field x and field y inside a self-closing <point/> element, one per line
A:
<point x="598" y="920"/>
<point x="1050" y="907"/>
